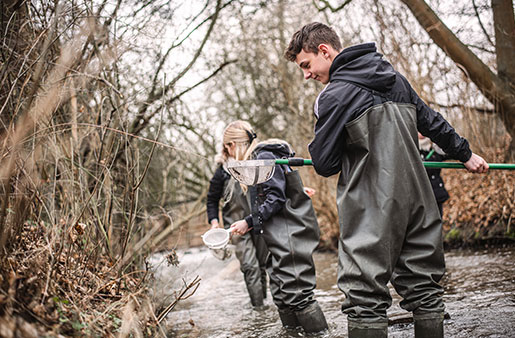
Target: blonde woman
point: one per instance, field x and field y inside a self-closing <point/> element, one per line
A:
<point x="250" y="249"/>
<point x="283" y="216"/>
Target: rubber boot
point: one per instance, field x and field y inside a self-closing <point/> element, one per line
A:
<point x="361" y="329"/>
<point x="312" y="318"/>
<point x="429" y="325"/>
<point x="288" y="319"/>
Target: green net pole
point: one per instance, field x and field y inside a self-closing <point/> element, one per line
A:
<point x="459" y="165"/>
<point x="441" y="165"/>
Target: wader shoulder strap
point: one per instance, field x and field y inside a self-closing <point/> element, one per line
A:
<point x="254" y="192"/>
<point x="254" y="210"/>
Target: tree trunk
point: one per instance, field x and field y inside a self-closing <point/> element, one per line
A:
<point x="498" y="89"/>
<point x="504" y="25"/>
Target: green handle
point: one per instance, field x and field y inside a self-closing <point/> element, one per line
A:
<point x="459" y="165"/>
<point x="430" y="154"/>
<point x="294" y="161"/>
<point x="297" y="162"/>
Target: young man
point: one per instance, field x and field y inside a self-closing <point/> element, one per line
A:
<point x="390" y="227"/>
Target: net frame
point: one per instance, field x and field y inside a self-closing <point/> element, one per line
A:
<point x="216" y="238"/>
<point x="251" y="172"/>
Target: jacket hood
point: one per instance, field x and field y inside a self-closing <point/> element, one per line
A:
<point x="279" y="148"/>
<point x="363" y="65"/>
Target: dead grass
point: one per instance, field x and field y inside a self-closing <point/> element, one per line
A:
<point x="482" y="207"/>
<point x="60" y="292"/>
<point x="61" y="259"/>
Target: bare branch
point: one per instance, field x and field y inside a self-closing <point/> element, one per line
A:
<point x="497" y="90"/>
<point x="195" y="283"/>
<point x="327" y="5"/>
<point x="142" y="122"/>
<point x="463" y="107"/>
<point x="476" y="10"/>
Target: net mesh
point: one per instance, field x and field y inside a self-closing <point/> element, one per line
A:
<point x="251" y="172"/>
<point x="224" y="253"/>
<point x="216" y="238"/>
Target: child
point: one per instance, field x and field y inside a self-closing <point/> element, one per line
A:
<point x="250" y="250"/>
<point x="390" y="228"/>
<point x="431" y="152"/>
<point x="284" y="217"/>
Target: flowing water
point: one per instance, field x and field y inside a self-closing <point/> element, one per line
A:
<point x="479" y="297"/>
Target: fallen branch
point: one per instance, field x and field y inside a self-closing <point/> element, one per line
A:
<point x="195" y="283"/>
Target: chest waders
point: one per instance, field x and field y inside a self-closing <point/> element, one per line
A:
<point x="292" y="235"/>
<point x="250" y="250"/>
<point x="390" y="226"/>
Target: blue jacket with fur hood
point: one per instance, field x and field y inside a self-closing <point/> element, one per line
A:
<point x="272" y="193"/>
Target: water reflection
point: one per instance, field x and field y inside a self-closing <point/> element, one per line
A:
<point x="480" y="297"/>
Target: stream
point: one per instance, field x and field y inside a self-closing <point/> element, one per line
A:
<point x="479" y="297"/>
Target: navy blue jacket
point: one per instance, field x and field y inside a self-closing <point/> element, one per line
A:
<point x="272" y="193"/>
<point x="354" y="73"/>
<point x="215" y="192"/>
<point x="441" y="194"/>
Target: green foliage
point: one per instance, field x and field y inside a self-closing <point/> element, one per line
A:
<point x="453" y="235"/>
<point x="116" y="322"/>
<point x="65" y="314"/>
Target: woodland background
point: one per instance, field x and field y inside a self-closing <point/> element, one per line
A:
<point x="111" y="113"/>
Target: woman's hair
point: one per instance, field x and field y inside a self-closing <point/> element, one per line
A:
<point x="241" y="134"/>
<point x="245" y="140"/>
<point x="309" y="37"/>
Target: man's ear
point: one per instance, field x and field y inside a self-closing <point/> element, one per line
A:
<point x="324" y="49"/>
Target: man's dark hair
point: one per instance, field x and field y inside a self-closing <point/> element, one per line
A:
<point x="309" y="38"/>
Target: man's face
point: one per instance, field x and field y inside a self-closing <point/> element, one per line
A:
<point x="314" y="66"/>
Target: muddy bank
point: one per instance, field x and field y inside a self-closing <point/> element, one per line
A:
<point x="481" y="209"/>
<point x="463" y="236"/>
<point x="480" y="213"/>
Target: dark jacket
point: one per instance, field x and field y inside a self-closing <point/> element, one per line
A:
<point x="215" y="192"/>
<point x="441" y="194"/>
<point x="272" y="193"/>
<point x="354" y="73"/>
